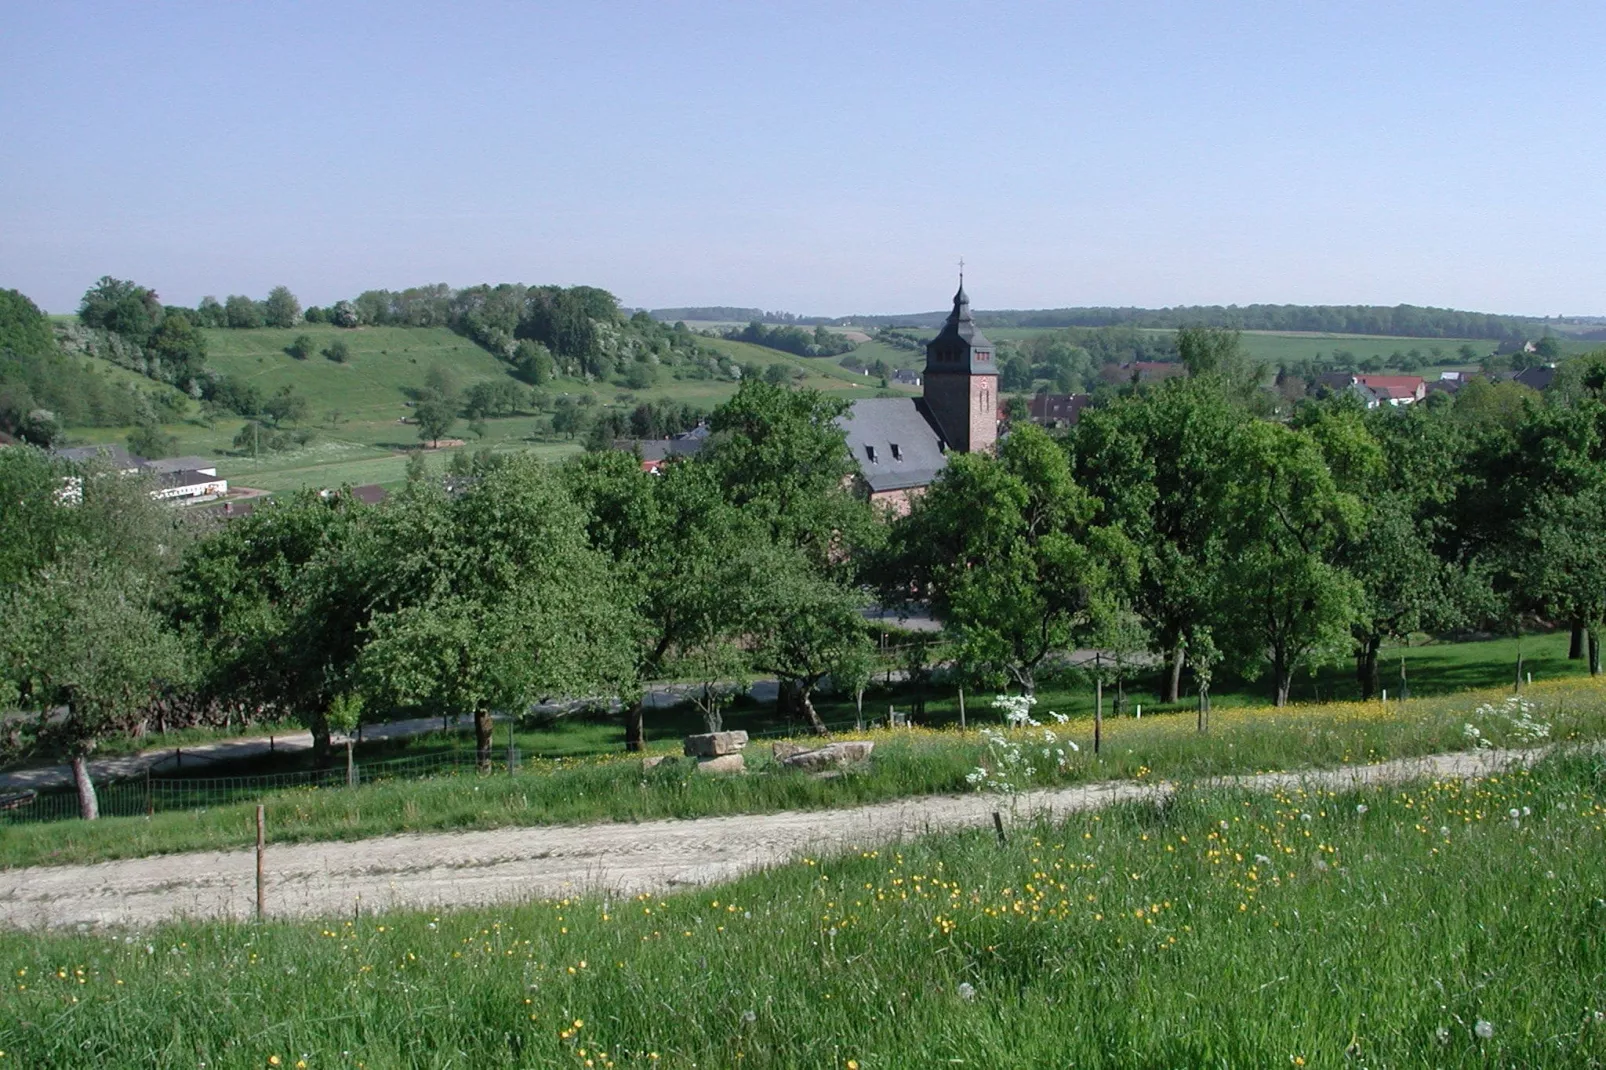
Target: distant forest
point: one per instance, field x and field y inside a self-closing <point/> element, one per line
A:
<point x="724" y="314"/>
<point x="1406" y="321"/>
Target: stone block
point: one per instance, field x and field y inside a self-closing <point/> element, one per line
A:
<point x="783" y="751"/>
<point x="725" y="763"/>
<point x="831" y="755"/>
<point x="715" y="744"/>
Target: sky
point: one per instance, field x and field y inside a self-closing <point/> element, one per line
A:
<point x="820" y="158"/>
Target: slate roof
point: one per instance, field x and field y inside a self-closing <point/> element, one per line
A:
<point x="661" y="449"/>
<point x="959" y="346"/>
<point x="187" y="477"/>
<point x="179" y="464"/>
<point x="873" y="426"/>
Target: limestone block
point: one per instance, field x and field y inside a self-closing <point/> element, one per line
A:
<point x="831" y="755"/>
<point x="714" y="744"/>
<point x="725" y="763"/>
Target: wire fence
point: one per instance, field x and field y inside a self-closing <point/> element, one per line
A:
<point x="151" y="794"/>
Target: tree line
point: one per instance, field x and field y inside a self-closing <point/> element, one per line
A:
<point x="1171" y="523"/>
<point x="1409" y="321"/>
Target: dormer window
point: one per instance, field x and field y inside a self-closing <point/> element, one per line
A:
<point x="869" y="451"/>
<point x="982" y="354"/>
<point x="897" y="454"/>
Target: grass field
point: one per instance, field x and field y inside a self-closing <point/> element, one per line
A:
<point x="1433" y="924"/>
<point x="907" y="763"/>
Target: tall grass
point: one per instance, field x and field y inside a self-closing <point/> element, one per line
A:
<point x="1433" y="924"/>
<point x="906" y="763"/>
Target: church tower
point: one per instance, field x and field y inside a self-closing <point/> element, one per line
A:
<point x="961" y="381"/>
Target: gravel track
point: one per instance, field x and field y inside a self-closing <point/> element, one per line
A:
<point x="457" y="869"/>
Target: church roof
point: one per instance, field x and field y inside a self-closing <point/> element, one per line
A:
<point x="959" y="346"/>
<point x="895" y="442"/>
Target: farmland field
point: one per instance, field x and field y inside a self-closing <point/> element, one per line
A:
<point x="1449" y="923"/>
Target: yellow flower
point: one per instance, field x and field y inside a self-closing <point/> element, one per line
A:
<point x="273" y="1060"/>
<point x="853" y="1064"/>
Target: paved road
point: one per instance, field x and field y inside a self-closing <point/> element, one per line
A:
<point x="456" y="869"/>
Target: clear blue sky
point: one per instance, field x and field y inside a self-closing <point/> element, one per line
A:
<point x="824" y="158"/>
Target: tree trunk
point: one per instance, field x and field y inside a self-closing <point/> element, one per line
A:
<point x="1575" y="649"/>
<point x="1173" y="684"/>
<point x="806" y="701"/>
<point x="482" y="739"/>
<point x="635" y="735"/>
<point x="785" y="699"/>
<point x="1284" y="677"/>
<point x="1594" y="652"/>
<point x="321" y="743"/>
<point x="1367" y="673"/>
<point x="88" y="804"/>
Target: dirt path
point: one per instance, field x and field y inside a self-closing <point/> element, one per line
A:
<point x="456" y="869"/>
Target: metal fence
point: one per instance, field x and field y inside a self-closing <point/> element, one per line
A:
<point x="150" y="794"/>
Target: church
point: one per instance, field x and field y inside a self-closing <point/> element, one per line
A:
<point x="901" y="444"/>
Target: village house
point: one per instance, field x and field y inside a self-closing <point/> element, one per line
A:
<point x="1057" y="410"/>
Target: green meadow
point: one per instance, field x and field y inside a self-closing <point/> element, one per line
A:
<point x="1442" y="924"/>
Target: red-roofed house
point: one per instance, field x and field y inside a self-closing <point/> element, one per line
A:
<point x="1396" y="389"/>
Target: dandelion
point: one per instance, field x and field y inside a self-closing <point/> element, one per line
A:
<point x="1483" y="1029"/>
<point x="967" y="991"/>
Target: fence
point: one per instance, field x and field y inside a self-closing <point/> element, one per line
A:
<point x="142" y="796"/>
<point x="150" y="794"/>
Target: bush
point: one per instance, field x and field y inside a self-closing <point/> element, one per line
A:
<point x="338" y="351"/>
<point x="301" y="348"/>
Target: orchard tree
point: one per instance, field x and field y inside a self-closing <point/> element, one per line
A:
<point x="1159" y="462"/>
<point x="803" y="625"/>
<point x="1009" y="553"/>
<point x="486" y="602"/>
<point x="435" y="414"/>
<point x="1283" y="598"/>
<point x="85" y="649"/>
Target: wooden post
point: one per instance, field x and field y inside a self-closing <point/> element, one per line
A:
<point x="270" y="744"/>
<point x="512" y="754"/>
<point x="998" y="826"/>
<point x="178" y="757"/>
<point x="1098" y="705"/>
<point x="961" y="709"/>
<point x="262" y="901"/>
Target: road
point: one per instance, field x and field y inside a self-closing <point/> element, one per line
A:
<point x="459" y="869"/>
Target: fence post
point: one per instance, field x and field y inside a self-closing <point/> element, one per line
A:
<point x="1098" y="712"/>
<point x="961" y="709"/>
<point x="178" y="757"/>
<point x="512" y="754"/>
<point x="262" y="901"/>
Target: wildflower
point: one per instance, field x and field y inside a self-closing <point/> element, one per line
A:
<point x="749" y="1017"/>
<point x="966" y="990"/>
<point x="1361" y="808"/>
<point x="1483" y="1029"/>
<point x="1303" y="817"/>
<point x="1442" y="1035"/>
<point x="273" y="1060"/>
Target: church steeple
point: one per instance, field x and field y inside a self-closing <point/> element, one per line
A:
<point x="961" y="379"/>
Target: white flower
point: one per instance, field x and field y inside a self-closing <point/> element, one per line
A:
<point x="966" y="990"/>
<point x="1059" y="718"/>
<point x="1262" y="860"/>
<point x="1361" y="808"/>
<point x="1442" y="1035"/>
<point x="1483" y="1029"/>
<point x="1444" y="830"/>
<point x="749" y="1017"/>
<point x="1513" y="813"/>
<point x="1303" y="817"/>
